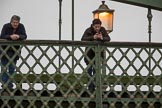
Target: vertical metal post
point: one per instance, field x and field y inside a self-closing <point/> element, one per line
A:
<point x="72" y="19"/>
<point x="73" y="33"/>
<point x="60" y="22"/>
<point x="149" y="16"/>
<point x="98" y="69"/>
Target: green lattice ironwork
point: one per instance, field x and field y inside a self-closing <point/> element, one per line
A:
<point x="52" y="74"/>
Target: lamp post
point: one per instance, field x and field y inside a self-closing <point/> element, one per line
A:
<point x="105" y="15"/>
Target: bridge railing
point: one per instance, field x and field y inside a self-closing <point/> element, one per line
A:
<point x="53" y="73"/>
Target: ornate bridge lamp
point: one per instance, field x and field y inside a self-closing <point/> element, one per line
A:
<point x="105" y="15"/>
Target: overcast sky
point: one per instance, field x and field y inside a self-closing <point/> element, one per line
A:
<point x="41" y="19"/>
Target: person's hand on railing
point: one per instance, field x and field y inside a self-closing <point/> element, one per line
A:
<point x="14" y="37"/>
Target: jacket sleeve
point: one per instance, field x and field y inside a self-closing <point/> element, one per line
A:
<point x="87" y="35"/>
<point x="105" y="35"/>
<point x="22" y="33"/>
<point x="3" y="33"/>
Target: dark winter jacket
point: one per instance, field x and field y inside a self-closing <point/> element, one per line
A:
<point x="89" y="36"/>
<point x="8" y="30"/>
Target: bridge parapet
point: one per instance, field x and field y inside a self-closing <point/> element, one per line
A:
<point x="53" y="73"/>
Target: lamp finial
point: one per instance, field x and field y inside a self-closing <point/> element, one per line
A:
<point x="103" y="2"/>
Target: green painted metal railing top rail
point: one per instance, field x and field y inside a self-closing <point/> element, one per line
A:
<point x="62" y="42"/>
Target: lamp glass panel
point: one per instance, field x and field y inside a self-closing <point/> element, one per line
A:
<point x="96" y="16"/>
<point x="106" y="19"/>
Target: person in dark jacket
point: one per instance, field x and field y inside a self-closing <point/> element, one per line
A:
<point x="94" y="33"/>
<point x="14" y="31"/>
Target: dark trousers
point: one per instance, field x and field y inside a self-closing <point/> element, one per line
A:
<point x="91" y="72"/>
<point x="7" y="69"/>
